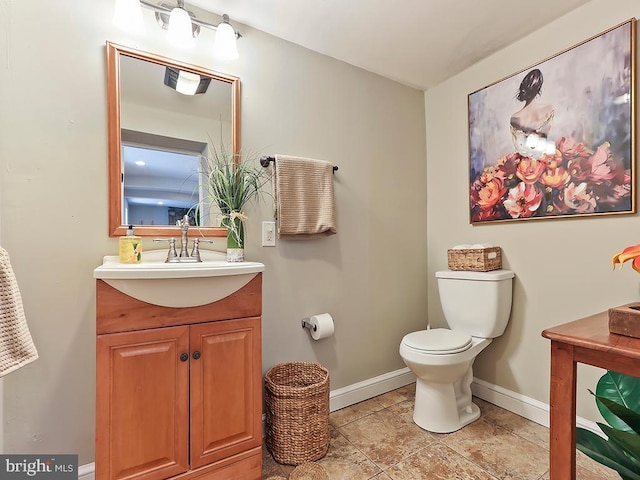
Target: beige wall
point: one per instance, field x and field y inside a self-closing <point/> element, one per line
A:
<point x="563" y="267"/>
<point x="53" y="194"/>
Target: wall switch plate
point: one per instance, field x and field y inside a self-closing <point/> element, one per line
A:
<point x="268" y="234"/>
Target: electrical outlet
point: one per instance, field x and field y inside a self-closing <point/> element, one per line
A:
<point x="268" y="234"/>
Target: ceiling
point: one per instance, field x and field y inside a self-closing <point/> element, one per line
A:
<point x="417" y="42"/>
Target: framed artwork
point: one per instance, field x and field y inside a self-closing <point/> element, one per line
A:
<point x="557" y="139"/>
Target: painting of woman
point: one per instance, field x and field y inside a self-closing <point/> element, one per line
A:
<point x="562" y="144"/>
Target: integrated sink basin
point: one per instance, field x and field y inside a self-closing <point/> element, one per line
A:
<point x="177" y="285"/>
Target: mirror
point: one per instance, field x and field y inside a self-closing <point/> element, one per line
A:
<point x="158" y="138"/>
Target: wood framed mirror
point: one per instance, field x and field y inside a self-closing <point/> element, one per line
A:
<point x="158" y="138"/>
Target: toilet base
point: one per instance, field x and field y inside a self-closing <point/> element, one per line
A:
<point x="445" y="407"/>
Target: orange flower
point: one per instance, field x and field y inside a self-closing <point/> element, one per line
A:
<point x="489" y="194"/>
<point x="628" y="253"/>
<point x="530" y="170"/>
<point x="555" y="177"/>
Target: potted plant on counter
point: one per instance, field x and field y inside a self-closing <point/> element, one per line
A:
<point x="230" y="182"/>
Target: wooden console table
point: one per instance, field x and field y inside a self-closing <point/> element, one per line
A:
<point x="586" y="341"/>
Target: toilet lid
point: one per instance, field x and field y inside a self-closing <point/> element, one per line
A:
<point x="438" y="341"/>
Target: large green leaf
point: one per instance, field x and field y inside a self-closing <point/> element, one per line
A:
<point x="629" y="417"/>
<point x="628" y="442"/>
<point x="606" y="453"/>
<point x="622" y="389"/>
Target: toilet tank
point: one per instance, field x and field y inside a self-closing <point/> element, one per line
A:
<point x="478" y="303"/>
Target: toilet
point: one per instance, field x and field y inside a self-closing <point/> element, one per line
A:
<point x="477" y="306"/>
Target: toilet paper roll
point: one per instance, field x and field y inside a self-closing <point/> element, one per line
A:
<point x="322" y="326"/>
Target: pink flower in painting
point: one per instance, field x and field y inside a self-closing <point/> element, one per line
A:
<point x="572" y="149"/>
<point x="579" y="199"/>
<point x="601" y="163"/>
<point x="612" y="192"/>
<point x="621" y="191"/>
<point x="530" y="170"/>
<point x="624" y="188"/>
<point x="523" y="200"/>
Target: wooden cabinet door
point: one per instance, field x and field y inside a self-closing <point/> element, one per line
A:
<point x="142" y="404"/>
<point x="226" y="389"/>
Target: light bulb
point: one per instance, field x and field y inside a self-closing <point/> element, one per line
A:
<point x="180" y="29"/>
<point x="225" y="46"/>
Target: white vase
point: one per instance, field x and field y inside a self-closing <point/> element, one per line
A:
<point x="235" y="254"/>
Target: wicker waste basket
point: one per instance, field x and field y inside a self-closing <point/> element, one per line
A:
<point x="297" y="412"/>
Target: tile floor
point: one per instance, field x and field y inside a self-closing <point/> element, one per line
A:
<point x="377" y="439"/>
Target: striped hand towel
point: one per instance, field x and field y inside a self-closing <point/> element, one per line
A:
<point x="304" y="198"/>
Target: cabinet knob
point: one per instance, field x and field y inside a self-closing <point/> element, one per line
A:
<point x="196" y="355"/>
<point x="184" y="357"/>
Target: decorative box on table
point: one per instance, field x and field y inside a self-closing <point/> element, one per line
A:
<point x="625" y="320"/>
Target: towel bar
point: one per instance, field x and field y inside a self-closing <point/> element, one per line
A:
<point x="265" y="161"/>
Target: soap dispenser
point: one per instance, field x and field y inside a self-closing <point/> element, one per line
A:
<point x="130" y="247"/>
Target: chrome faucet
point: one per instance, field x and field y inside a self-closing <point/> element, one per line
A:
<point x="184" y="256"/>
<point x="184" y="241"/>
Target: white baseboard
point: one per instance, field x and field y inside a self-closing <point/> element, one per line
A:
<point x="372" y="387"/>
<point x="87" y="472"/>
<point x="526" y="407"/>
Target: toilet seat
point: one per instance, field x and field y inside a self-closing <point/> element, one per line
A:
<point x="438" y="341"/>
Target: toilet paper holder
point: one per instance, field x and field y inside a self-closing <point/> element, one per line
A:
<point x="307" y="324"/>
<point x="320" y="326"/>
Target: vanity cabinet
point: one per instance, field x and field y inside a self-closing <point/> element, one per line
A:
<point x="179" y="390"/>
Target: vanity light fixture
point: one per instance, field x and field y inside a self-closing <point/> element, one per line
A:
<point x="225" y="46"/>
<point x="182" y="25"/>
<point x="179" y="31"/>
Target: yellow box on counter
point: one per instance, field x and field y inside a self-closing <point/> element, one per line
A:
<point x="475" y="259"/>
